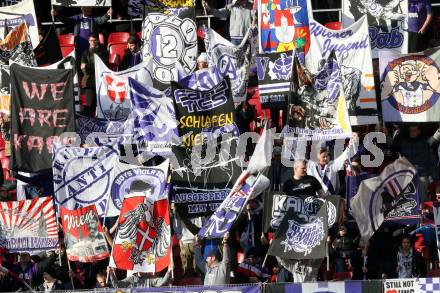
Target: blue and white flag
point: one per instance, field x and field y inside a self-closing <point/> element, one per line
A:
<point x="318" y="287"/>
<point x="378" y="196"/>
<point x="83" y="176"/>
<point x="153" y="118"/>
<point x="202" y="80"/>
<point x="231" y="60"/>
<point x="97" y="131"/>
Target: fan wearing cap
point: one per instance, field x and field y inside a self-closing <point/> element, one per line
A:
<point x="217" y="270"/>
<point x="51" y="283"/>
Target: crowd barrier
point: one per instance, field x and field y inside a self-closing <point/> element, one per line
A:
<point x="415" y="285"/>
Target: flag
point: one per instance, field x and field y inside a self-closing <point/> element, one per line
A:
<point x="18" y="14"/>
<point x="42" y="110"/>
<point x="153" y="118"/>
<point x="83" y="235"/>
<point x="318" y="110"/>
<point x="410" y="88"/>
<point x="246" y="187"/>
<point x="200" y="186"/>
<point x="284" y="25"/>
<point x="297" y="238"/>
<point x="170" y="41"/>
<point x="140" y="8"/>
<point x="28" y="225"/>
<point x="277" y="204"/>
<point x="210" y="117"/>
<point x="95" y="130"/>
<point x="112" y="90"/>
<point x="232" y="61"/>
<point x="375" y="198"/>
<point x="387" y="23"/>
<point x="83" y="177"/>
<point x="49" y="50"/>
<point x="143" y="241"/>
<point x="202" y="80"/>
<point x="262" y="157"/>
<point x="327" y="287"/>
<point x="82" y="3"/>
<point x="353" y="52"/>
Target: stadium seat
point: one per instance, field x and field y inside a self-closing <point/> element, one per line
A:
<point x="101" y="39"/>
<point x="139" y="34"/>
<point x="68" y="39"/>
<point x="113" y="61"/>
<point x="334" y="25"/>
<point x="118" y="37"/>
<point x="66" y="49"/>
<point x="118" y="49"/>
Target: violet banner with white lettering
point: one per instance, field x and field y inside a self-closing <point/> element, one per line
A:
<point x="353" y="52"/>
<point x="28" y="225"/>
<point x="84" y="238"/>
<point x="387" y="22"/>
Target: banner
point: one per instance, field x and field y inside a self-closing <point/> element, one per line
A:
<point x="49" y="50"/>
<point x="232" y="61"/>
<point x="377" y="196"/>
<point x="232" y="288"/>
<point x="283" y="25"/>
<point x="200" y="186"/>
<point x="15" y="15"/>
<point x="352" y="183"/>
<point x="112" y="91"/>
<point x="83" y="177"/>
<point x="318" y="110"/>
<point x="153" y="118"/>
<point x="401" y="285"/>
<point x="90" y="129"/>
<point x="277" y="204"/>
<point x="83" y="235"/>
<point x="328" y="287"/>
<point x="410" y="86"/>
<point x="82" y="3"/>
<point x="15" y="47"/>
<point x="69" y="62"/>
<point x="387" y="20"/>
<point x="171" y="43"/>
<point x="274" y="72"/>
<point x="202" y="80"/>
<point x="140" y="8"/>
<point x="229" y="210"/>
<point x="204" y="115"/>
<point x="143" y="241"/>
<point x="28" y="225"/>
<point x="353" y="52"/>
<point x="42" y="110"/>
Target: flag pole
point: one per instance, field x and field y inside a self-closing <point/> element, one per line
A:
<point x="60" y="256"/>
<point x="53" y="17"/>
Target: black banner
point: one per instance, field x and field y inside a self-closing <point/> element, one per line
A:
<point x="204" y="115"/>
<point x="276" y="205"/>
<point x="48" y="51"/>
<point x="200" y="187"/>
<point x="274" y="71"/>
<point x="41" y="110"/>
<point x="300" y="238"/>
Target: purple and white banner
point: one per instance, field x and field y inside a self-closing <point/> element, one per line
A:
<point x="211" y="289"/>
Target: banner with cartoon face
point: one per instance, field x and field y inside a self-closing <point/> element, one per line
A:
<point x="387" y="21"/>
<point x="274" y="72"/>
<point x="232" y="61"/>
<point x="112" y="90"/>
<point x="283" y="25"/>
<point x="353" y="52"/>
<point x="317" y="110"/>
<point x="410" y="86"/>
<point x="142" y="243"/>
<point x="22" y="12"/>
<point x="170" y="40"/>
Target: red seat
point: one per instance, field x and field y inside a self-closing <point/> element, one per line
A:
<point x="118" y="37"/>
<point x="66" y="50"/>
<point x="113" y="61"/>
<point x="118" y="49"/>
<point x="139" y="34"/>
<point x="68" y="39"/>
<point x="101" y="39"/>
<point x="334" y="25"/>
<point x="5" y="166"/>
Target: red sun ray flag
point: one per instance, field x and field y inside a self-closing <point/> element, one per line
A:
<point x="28" y="225"/>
